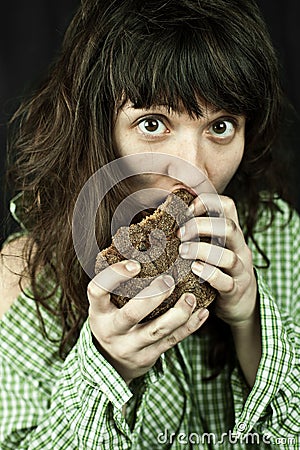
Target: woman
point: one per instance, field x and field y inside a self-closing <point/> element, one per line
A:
<point x="191" y="80"/>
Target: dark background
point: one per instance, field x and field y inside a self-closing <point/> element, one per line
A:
<point x="31" y="33"/>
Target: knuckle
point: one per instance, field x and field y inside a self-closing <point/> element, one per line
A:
<point x="248" y="254"/>
<point x="185" y="314"/>
<point x="172" y="340"/>
<point x="128" y="315"/>
<point x="229" y="286"/>
<point x="122" y="353"/>
<point x="145" y="362"/>
<point x="190" y="327"/>
<point x="102" y="336"/>
<point x="125" y="350"/>
<point x="156" y="334"/>
<point x="233" y="260"/>
<point x="105" y="340"/>
<point x="93" y="289"/>
<point x="248" y="278"/>
<point x="230" y="226"/>
<point x="229" y="204"/>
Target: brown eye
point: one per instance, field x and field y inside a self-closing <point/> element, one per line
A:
<point x="152" y="126"/>
<point x="223" y="128"/>
<point x="219" y="127"/>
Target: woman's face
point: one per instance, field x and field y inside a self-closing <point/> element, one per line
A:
<point x="213" y="143"/>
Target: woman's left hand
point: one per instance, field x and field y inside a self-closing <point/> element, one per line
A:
<point x="228" y="268"/>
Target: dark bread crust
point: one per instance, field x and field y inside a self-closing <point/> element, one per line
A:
<point x="157" y="252"/>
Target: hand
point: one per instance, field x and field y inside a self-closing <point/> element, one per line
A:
<point x="131" y="347"/>
<point x="228" y="269"/>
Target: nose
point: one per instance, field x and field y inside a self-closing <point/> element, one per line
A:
<point x="188" y="163"/>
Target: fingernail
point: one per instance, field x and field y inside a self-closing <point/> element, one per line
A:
<point x="132" y="266"/>
<point x="168" y="280"/>
<point x="190" y="299"/>
<point x="191" y="208"/>
<point x="203" y="313"/>
<point x="184" y="249"/>
<point x="197" y="268"/>
<point x="182" y="231"/>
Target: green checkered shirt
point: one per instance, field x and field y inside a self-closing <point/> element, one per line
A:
<point x="47" y="403"/>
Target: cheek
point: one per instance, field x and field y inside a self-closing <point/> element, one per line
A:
<point x="234" y="163"/>
<point x="123" y="144"/>
<point x="222" y="172"/>
<point x="122" y="137"/>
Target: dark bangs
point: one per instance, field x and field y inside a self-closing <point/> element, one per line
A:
<point x="177" y="56"/>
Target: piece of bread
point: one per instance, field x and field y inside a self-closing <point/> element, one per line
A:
<point x="153" y="242"/>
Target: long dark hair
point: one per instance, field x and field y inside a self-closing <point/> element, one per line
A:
<point x="163" y="52"/>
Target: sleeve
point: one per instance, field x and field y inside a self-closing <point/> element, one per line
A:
<point x="76" y="404"/>
<point x="272" y="407"/>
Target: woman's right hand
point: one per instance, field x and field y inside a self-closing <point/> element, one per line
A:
<point x="132" y="348"/>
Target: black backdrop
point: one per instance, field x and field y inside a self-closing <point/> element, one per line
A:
<point x="32" y="31"/>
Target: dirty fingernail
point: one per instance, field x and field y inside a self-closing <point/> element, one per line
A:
<point x="132" y="266"/>
<point x="197" y="267"/>
<point x="203" y="313"/>
<point x="190" y="300"/>
<point x="168" y="280"/>
<point x="182" y="231"/>
<point x="184" y="249"/>
<point x="191" y="208"/>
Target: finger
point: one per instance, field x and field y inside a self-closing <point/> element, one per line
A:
<point x="196" y="320"/>
<point x="207" y="203"/>
<point x="107" y="280"/>
<point x="222" y="230"/>
<point x="164" y="325"/>
<point x="222" y="282"/>
<point x="214" y="205"/>
<point x="142" y="304"/>
<point x="218" y="206"/>
<point x="212" y="255"/>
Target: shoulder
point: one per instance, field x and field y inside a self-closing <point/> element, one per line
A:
<point x="12" y="271"/>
